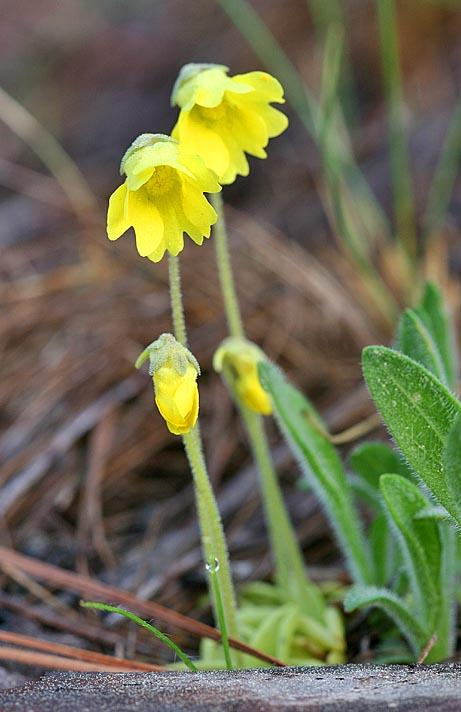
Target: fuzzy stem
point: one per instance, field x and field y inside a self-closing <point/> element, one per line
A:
<point x="212" y="534"/>
<point x="177" y="309"/>
<point x="289" y="568"/>
<point x="226" y="278"/>
<point x="290" y="572"/>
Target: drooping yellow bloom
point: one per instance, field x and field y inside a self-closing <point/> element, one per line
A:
<point x="162" y="197"/>
<point x="177" y="399"/>
<point x="240" y="358"/>
<point x="223" y="117"/>
<point x="174" y="371"/>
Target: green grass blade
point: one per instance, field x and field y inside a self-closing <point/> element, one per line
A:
<point x="346" y="226"/>
<point x="327" y="14"/>
<point x="399" y="157"/>
<point x="266" y="47"/>
<point x="261" y="39"/>
<point x="443" y="182"/>
<point x="144" y="624"/>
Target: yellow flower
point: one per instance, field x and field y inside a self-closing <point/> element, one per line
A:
<point x="162" y="197"/>
<point x="223" y="117"/>
<point x="174" y="371"/>
<point x="177" y="399"/>
<point x="239" y="359"/>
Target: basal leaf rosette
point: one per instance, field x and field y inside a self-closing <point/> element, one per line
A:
<point x="222" y="118"/>
<point x="162" y="197"/>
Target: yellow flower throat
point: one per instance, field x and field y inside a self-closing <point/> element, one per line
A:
<point x="163" y="180"/>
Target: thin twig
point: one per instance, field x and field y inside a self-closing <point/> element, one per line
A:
<point x="55" y="662"/>
<point x="27" y="641"/>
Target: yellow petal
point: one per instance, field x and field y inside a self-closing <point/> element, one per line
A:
<point x="192" y="230"/>
<point x="265" y="85"/>
<point x="147" y="223"/>
<point x="173" y="231"/>
<point x="250" y="130"/>
<point x="238" y="164"/>
<point x="157" y="255"/>
<point x="185" y="393"/>
<point x="274" y="119"/>
<point x="198" y="138"/>
<point x="117" y="215"/>
<point x="197" y="209"/>
<point x="206" y="178"/>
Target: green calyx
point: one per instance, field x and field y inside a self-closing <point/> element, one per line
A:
<point x="189" y="71"/>
<point x="167" y="351"/>
<point x="147" y="139"/>
<point x="237" y="347"/>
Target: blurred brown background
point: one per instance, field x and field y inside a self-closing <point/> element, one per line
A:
<point x="90" y="479"/>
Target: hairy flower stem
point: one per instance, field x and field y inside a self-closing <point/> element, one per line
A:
<point x="226" y="277"/>
<point x="290" y="572"/>
<point x="289" y="569"/>
<point x="212" y="534"/>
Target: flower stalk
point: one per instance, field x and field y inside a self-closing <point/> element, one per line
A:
<point x="290" y="574"/>
<point x="212" y="534"/>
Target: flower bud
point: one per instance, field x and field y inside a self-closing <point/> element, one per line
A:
<point x="174" y="371"/>
<point x="239" y="358"/>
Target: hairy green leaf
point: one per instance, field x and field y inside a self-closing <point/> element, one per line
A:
<point x="419" y="412"/>
<point x="431" y="310"/>
<point x="372" y="459"/>
<point x="419" y="541"/>
<point x="304" y="432"/>
<point x="415" y="340"/>
<point x="382" y="549"/>
<point x="372" y="596"/>
<point x="452" y="464"/>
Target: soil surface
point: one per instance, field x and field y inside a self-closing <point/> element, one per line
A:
<point x="358" y="687"/>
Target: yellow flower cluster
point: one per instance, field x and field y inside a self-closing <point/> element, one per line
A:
<point x="221" y="119"/>
<point x="240" y="358"/>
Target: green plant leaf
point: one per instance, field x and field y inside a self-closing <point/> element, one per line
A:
<point x="436" y="512"/>
<point x="372" y="596"/>
<point x="371" y="460"/>
<point x="451" y="460"/>
<point x="418" y="539"/>
<point x="415" y="340"/>
<point x="432" y="311"/>
<point x="304" y="432"/>
<point x="419" y="412"/>
<point x="385" y="557"/>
